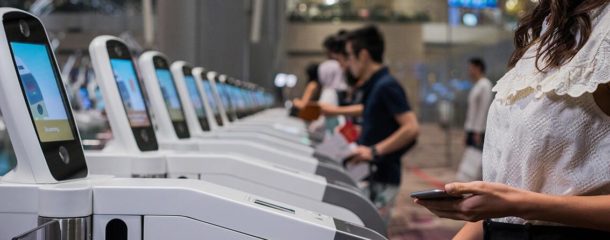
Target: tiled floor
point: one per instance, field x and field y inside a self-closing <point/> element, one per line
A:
<point x="411" y="221"/>
<point x="427" y="166"/>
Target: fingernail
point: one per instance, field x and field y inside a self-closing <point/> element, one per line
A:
<point x="449" y="187"/>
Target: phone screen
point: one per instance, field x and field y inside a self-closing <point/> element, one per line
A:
<point x="42" y="92"/>
<point x="131" y="94"/>
<point x="170" y="95"/>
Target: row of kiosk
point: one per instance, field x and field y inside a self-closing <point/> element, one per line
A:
<point x="194" y="154"/>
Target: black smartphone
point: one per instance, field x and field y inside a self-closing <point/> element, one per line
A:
<point x="171" y="97"/>
<point x="434" y="194"/>
<point x="44" y="93"/>
<point x="132" y="96"/>
<point x="196" y="98"/>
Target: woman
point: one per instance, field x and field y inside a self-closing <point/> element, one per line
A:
<point x="546" y="160"/>
<point x="312" y="89"/>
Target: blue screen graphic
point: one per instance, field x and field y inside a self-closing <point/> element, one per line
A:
<point x="223" y="91"/>
<point x="170" y="94"/>
<point x="240" y="101"/>
<point x="130" y="91"/>
<point x="196" y="99"/>
<point x="42" y="91"/>
<point x="211" y="99"/>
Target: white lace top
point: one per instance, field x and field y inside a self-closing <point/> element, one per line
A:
<point x="545" y="133"/>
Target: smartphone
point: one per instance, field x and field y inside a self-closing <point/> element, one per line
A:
<point x="43" y="92"/>
<point x="434" y="194"/>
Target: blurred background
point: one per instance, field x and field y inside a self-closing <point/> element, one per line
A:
<point x="428" y="44"/>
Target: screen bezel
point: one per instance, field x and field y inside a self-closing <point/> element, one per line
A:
<point x="187" y="71"/>
<point x="76" y="167"/>
<point x="216" y="111"/>
<point x="145" y="136"/>
<point x="180" y="126"/>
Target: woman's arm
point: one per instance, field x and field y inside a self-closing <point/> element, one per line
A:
<point x="470" y="231"/>
<point x="351" y="110"/>
<point x="578" y="211"/>
<point x="494" y="200"/>
<point x="309" y="90"/>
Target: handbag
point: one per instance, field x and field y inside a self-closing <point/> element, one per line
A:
<point x="471" y="167"/>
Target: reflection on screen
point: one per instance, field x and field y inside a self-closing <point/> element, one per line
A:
<point x="129" y="89"/>
<point x="83" y="94"/>
<point x="210" y="95"/>
<point x="195" y="96"/>
<point x="170" y="95"/>
<point x="40" y="86"/>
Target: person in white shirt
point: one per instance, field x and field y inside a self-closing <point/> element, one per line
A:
<point x="546" y="160"/>
<point x="479" y="100"/>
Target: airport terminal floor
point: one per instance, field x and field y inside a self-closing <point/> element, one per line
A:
<point x="304" y="119"/>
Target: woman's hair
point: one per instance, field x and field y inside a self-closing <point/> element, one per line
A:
<point x="335" y="43"/>
<point x="312" y="72"/>
<point x="568" y="29"/>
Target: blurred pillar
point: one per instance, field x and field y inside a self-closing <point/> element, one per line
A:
<point x="216" y="35"/>
<point x="177" y="29"/>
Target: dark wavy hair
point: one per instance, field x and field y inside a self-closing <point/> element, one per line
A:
<point x="566" y="19"/>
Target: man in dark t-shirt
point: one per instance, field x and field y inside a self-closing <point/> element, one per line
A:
<point x="384" y="103"/>
<point x="389" y="127"/>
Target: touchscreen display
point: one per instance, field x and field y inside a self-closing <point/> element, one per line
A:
<point x="170" y="95"/>
<point x="248" y="102"/>
<point x="42" y="91"/>
<point x="196" y="99"/>
<point x="131" y="94"/>
<point x="210" y="95"/>
<point x="240" y="98"/>
<point x="223" y="91"/>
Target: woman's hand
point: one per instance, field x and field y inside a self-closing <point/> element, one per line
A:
<point x="483" y="200"/>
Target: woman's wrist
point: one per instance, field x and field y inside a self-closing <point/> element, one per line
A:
<point x="534" y="206"/>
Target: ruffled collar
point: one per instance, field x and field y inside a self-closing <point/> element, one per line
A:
<point x="589" y="68"/>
